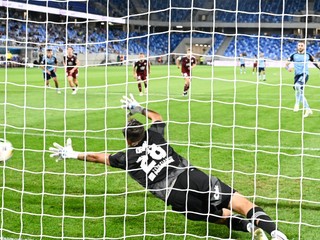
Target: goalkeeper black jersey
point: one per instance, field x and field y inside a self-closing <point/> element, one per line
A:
<point x="153" y="163"/>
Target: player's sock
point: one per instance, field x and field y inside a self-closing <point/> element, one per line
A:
<point x="239" y="223"/>
<point x="305" y="102"/>
<point x="298" y="96"/>
<point x="264" y="77"/>
<point x="303" y="99"/>
<point x="261" y="219"/>
<point x="186" y="87"/>
<point x="139" y="86"/>
<point x="145" y="85"/>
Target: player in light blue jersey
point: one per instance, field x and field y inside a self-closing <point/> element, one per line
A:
<point x="300" y="61"/>
<point x="242" y="63"/>
<point x="48" y="64"/>
<point x="262" y="67"/>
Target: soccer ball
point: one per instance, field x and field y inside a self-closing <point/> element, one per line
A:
<point x="6" y="150"/>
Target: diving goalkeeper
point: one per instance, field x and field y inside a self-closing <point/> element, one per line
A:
<point x="155" y="165"/>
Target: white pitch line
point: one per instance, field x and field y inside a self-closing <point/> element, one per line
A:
<point x="209" y="144"/>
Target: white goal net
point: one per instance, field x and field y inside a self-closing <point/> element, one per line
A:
<point x="236" y="122"/>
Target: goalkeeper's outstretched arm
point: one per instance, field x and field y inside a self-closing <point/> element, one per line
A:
<point x="66" y="152"/>
<point x="134" y="107"/>
<point x="152" y="115"/>
<point x="102" y="158"/>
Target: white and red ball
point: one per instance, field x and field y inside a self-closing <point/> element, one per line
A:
<point x="6" y="150"/>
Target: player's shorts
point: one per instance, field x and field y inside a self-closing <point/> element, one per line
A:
<point x="255" y="65"/>
<point x="261" y="69"/>
<point x="190" y="195"/>
<point x="47" y="76"/>
<point x="73" y="75"/>
<point x="300" y="80"/>
<point x="141" y="76"/>
<point x="242" y="65"/>
<point x="186" y="74"/>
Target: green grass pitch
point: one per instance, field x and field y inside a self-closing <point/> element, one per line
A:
<point x="237" y="128"/>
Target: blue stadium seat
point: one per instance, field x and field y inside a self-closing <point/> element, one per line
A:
<point x="271" y="46"/>
<point x="268" y="8"/>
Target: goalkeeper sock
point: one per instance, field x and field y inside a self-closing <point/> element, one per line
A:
<point x="239" y="223"/>
<point x="261" y="219"/>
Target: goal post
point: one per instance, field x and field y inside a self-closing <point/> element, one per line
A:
<point x="233" y="123"/>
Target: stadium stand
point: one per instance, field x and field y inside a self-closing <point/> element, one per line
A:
<point x="56" y="36"/>
<point x="272" y="9"/>
<point x="119" y="41"/>
<point x="218" y="40"/>
<point x="117" y="8"/>
<point x="269" y="45"/>
<point x="177" y="15"/>
<point x="70" y="5"/>
<point x="37" y="33"/>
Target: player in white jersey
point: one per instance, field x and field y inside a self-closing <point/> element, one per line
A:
<point x="242" y="63"/>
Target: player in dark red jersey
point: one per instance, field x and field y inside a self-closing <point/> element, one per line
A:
<point x="186" y="63"/>
<point x="255" y="64"/>
<point x="71" y="62"/>
<point x="141" y="70"/>
<point x="151" y="161"/>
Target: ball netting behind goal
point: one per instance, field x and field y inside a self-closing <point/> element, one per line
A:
<point x="231" y="125"/>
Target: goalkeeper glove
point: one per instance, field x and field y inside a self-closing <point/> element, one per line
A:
<point x="61" y="153"/>
<point x="131" y="104"/>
